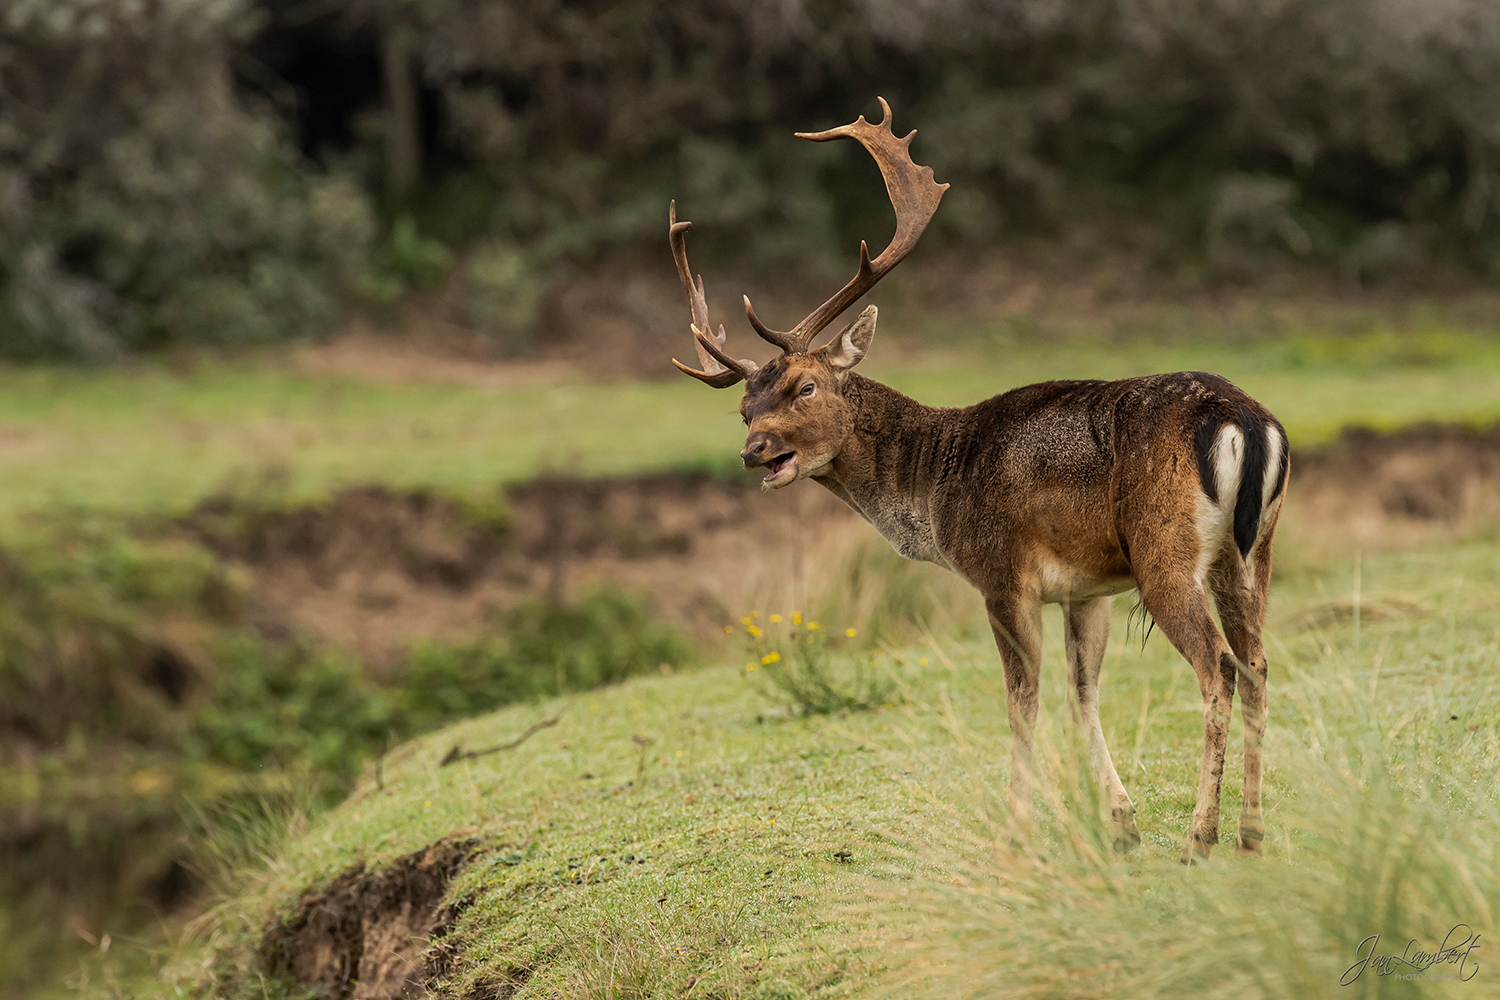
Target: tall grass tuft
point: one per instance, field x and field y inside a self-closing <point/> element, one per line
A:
<point x="1367" y="835"/>
<point x="891" y="600"/>
<point x="627" y="954"/>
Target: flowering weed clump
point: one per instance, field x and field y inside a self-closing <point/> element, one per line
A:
<point x="798" y="660"/>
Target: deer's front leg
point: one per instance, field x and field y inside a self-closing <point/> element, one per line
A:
<point x="1017" y="624"/>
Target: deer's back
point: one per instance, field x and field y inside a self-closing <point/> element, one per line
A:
<point x="1060" y="478"/>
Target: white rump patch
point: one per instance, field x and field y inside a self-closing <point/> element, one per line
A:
<point x="1273" y="465"/>
<point x="1215" y="521"/>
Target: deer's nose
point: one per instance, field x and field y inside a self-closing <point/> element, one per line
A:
<point x="760" y="448"/>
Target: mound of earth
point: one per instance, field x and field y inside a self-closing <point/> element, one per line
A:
<point x="370" y="935"/>
<point x="1379" y="489"/>
<point x="375" y="569"/>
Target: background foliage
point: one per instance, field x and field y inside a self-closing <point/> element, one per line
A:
<point x="235" y="171"/>
<point x="146" y="723"/>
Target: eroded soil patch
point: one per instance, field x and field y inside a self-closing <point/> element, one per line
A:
<point x="1375" y="489"/>
<point x="374" y="570"/>
<point x="369" y="935"/>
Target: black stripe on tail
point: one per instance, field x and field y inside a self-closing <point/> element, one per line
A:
<point x="1252" y="482"/>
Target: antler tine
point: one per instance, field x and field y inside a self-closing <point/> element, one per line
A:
<point x="914" y="195"/>
<point x="781" y="340"/>
<point x="715" y="367"/>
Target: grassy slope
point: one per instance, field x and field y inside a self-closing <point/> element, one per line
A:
<point x="738" y="812"/>
<point x="148" y="439"/>
<point x="153" y="440"/>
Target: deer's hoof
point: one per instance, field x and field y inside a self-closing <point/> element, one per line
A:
<point x="1196" y="850"/>
<point x="1127" y="837"/>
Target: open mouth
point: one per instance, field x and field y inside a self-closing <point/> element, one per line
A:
<point x="779" y="467"/>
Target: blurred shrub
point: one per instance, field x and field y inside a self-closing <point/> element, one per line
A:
<point x="80" y="646"/>
<point x="413" y="259"/>
<point x="504" y="294"/>
<point x="541" y="648"/>
<point x="141" y="204"/>
<point x="289" y="708"/>
<point x="1346" y="114"/>
<point x="107" y="641"/>
<point x="1250" y="224"/>
<point x="146" y="199"/>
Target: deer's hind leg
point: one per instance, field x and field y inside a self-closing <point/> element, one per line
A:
<point x="1087" y="631"/>
<point x="1176" y="598"/>
<point x="1239" y="588"/>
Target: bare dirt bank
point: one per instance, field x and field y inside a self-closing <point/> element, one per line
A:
<point x="375" y="569"/>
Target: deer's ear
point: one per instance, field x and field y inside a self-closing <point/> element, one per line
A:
<point x="845" y="351"/>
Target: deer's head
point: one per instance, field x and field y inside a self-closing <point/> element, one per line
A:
<point x="794" y="406"/>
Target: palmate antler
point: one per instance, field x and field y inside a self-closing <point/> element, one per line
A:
<point x="915" y="196"/>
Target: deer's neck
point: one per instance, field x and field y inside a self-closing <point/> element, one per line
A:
<point x="890" y="462"/>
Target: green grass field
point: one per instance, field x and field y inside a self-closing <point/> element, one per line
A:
<point x="1381" y="804"/>
<point x="148" y="439"/>
<point x="1383" y="761"/>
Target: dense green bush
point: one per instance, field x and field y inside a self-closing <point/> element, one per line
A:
<point x="161" y="183"/>
<point x="1372" y="121"/>
<point x="141" y="203"/>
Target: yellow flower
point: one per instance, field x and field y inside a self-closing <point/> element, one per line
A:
<point x="850" y="633"/>
<point x="796" y="618"/>
<point x="755" y="614"/>
<point x="775" y="619"/>
<point x="749" y="666"/>
<point x="813" y="626"/>
<point x="729" y="630"/>
<point x="922" y="662"/>
<point x="771" y="657"/>
<point x="427" y="804"/>
<point x="745" y="620"/>
<point x="753" y="630"/>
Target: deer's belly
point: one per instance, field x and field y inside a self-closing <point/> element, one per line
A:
<point x="1058" y="581"/>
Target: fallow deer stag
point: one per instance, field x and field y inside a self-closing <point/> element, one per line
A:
<point x="1058" y="493"/>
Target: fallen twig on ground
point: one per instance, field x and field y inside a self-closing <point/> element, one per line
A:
<point x="459" y="753"/>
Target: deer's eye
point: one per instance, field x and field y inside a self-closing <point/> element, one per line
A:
<point x="808" y="389"/>
<point x="745" y="419"/>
